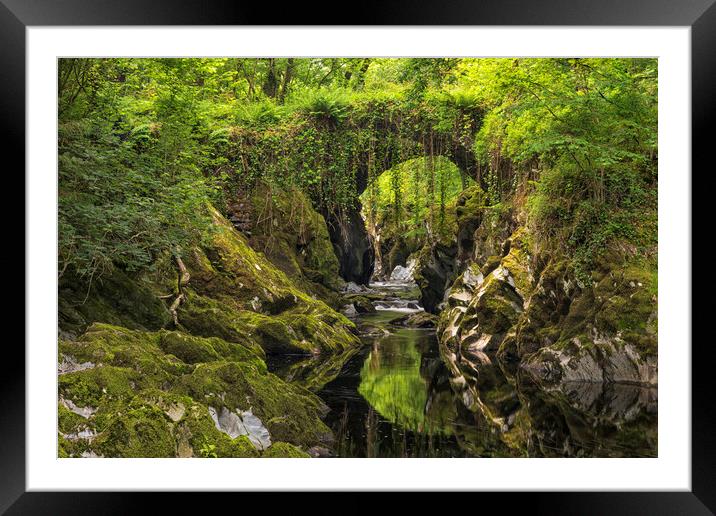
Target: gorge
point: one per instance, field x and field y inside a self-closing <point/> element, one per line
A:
<point x="408" y="258"/>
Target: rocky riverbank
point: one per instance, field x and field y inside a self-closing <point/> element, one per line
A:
<point x="524" y="306"/>
<point x="172" y="363"/>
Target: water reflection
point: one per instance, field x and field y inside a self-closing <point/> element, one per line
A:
<point x="391" y="380"/>
<point x="394" y="398"/>
<point x="311" y="372"/>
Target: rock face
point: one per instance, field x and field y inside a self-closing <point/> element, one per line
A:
<point x="294" y="237"/>
<point x="395" y="250"/>
<point x="241" y="422"/>
<point x="406" y="273"/>
<point x="416" y="320"/>
<point x="237" y="294"/>
<point x="352" y="245"/>
<point x="138" y="306"/>
<point x="235" y="291"/>
<point x="435" y="272"/>
<point x="525" y="309"/>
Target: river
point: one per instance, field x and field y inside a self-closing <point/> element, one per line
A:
<point x="392" y="398"/>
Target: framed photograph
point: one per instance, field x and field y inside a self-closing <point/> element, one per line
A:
<point x="439" y="249"/>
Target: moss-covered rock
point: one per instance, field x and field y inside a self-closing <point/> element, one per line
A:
<point x="294" y="236"/>
<point x="416" y="320"/>
<point x="285" y="450"/>
<point x="141" y="431"/>
<point x="187" y="348"/>
<point x="129" y="393"/>
<point x="207" y="317"/>
<point x="525" y="307"/>
<point x="290" y="412"/>
<point x="237" y="292"/>
<point x="606" y="331"/>
<point x="435" y="272"/>
<point x="115" y="298"/>
<point x="233" y="293"/>
<point x="362" y="304"/>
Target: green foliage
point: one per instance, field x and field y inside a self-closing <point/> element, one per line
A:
<point x="208" y="450"/>
<point x="586" y="130"/>
<point x="410" y="199"/>
<point x="259" y="114"/>
<point x="143" y="143"/>
<point x="122" y="205"/>
<point x="326" y="105"/>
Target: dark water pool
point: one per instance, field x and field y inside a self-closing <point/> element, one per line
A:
<point x="392" y="398"/>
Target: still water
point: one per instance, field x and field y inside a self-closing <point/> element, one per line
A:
<point x="392" y="398"/>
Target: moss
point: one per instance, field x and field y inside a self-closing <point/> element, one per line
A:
<point x="187" y="348"/>
<point x="497" y="308"/>
<point x="143" y="431"/>
<point x="276" y="337"/>
<point x="228" y="277"/>
<point x="62" y="447"/>
<point x="517" y="261"/>
<point x="152" y="390"/>
<point x="124" y="359"/>
<point x="193" y="350"/>
<point x="620" y="304"/>
<point x="416" y="320"/>
<point x="312" y="328"/>
<point x="362" y="304"/>
<point x="227" y="268"/>
<point x="290" y="412"/>
<point x="470" y="206"/>
<point x="629" y="307"/>
<point x="67" y="448"/>
<point x="67" y="421"/>
<point x="242" y="281"/>
<point x="89" y="387"/>
<point x="115" y="298"/>
<point x="492" y="263"/>
<point x="285" y="450"/>
<point x="294" y="236"/>
<point x="207" y="317"/>
<point x="322" y="330"/>
<point x="137" y="377"/>
<point x="200" y="434"/>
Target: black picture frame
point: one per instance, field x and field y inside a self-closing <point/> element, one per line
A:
<point x="700" y="15"/>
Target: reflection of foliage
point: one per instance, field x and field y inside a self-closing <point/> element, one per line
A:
<point x="315" y="372"/>
<point x="391" y="383"/>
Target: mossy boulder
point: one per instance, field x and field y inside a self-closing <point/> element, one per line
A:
<point x="416" y="320"/>
<point x="186" y="348"/>
<point x="362" y="304"/>
<point x="290" y="413"/>
<point x="141" y="431"/>
<point x="276" y="336"/>
<point x="228" y="282"/>
<point x="527" y="309"/>
<point x="129" y="393"/>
